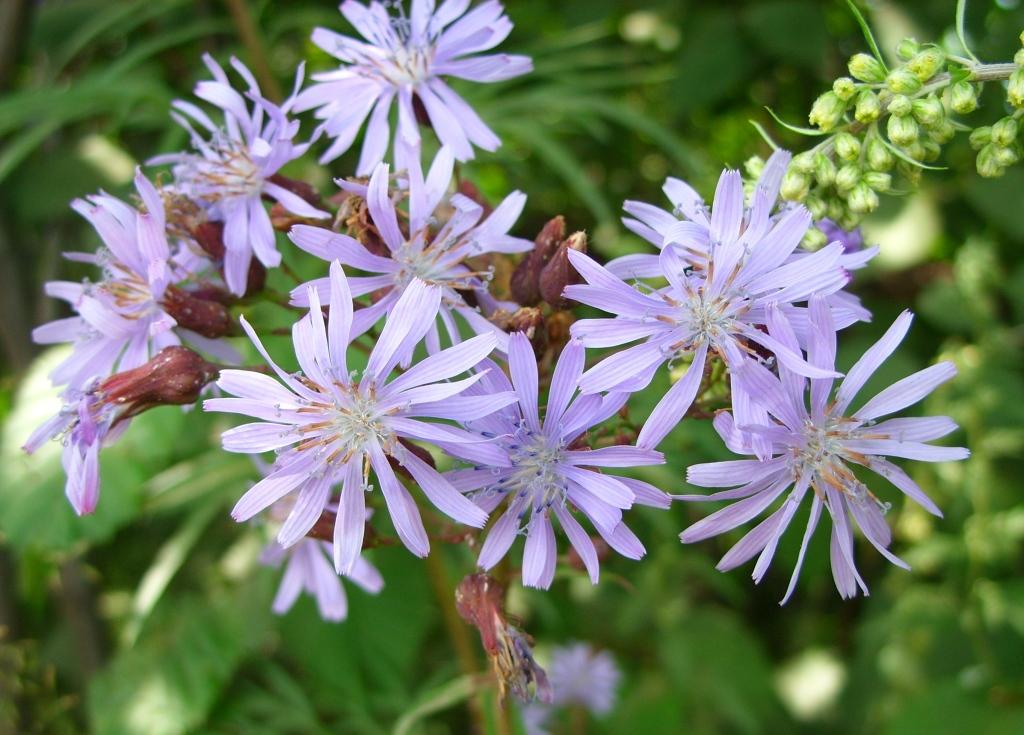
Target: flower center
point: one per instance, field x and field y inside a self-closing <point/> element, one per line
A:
<point x="536" y="460"/>
<point x="408" y="66"/>
<point x="358" y="422"/>
<point x="230" y="172"/>
<point x="434" y="265"/>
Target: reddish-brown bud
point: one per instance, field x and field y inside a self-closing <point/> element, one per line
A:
<point x="174" y="377"/>
<point x="202" y="316"/>
<point x="530" y="321"/>
<point x="559" y="273"/>
<point x="525" y="282"/>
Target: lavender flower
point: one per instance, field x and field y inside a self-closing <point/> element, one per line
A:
<point x="433" y="253"/>
<point x="852" y="240"/>
<point x="542" y="471"/>
<point x="812" y="448"/>
<point x="579" y="676"/>
<point x="308" y="569"/>
<point x="330" y="425"/>
<point x="120" y="321"/>
<point x="233" y="170"/>
<point x="405" y="59"/>
<point x="722" y="275"/>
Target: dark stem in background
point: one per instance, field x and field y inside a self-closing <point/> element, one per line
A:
<point x="458" y="632"/>
<point x="78" y="607"/>
<point x="250" y="37"/>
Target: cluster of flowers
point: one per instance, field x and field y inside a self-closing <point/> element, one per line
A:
<point x="728" y="284"/>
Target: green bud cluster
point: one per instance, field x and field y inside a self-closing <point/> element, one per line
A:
<point x="998" y="146"/>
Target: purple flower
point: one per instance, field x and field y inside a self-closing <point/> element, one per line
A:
<point x="405" y="58"/>
<point x="308" y="569"/>
<point x="722" y="275"/>
<point x="120" y="321"/>
<point x="541" y="472"/>
<point x="812" y="448"/>
<point x="435" y="251"/>
<point x="232" y="169"/>
<point x="83" y="424"/>
<point x="330" y="425"/>
<point x="578" y="675"/>
<point x="851" y="240"/>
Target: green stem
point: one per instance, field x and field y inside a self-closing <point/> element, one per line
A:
<point x="253" y="42"/>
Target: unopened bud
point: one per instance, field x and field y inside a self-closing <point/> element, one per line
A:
<point x="803" y="162"/>
<point x="1006" y="156"/>
<point x="175" y="377"/>
<point x="1018" y="58"/>
<point x="866" y="68"/>
<point x="988" y="164"/>
<point x="907" y="48"/>
<point x="932" y="150"/>
<point x="795" y="185"/>
<point x="844" y="88"/>
<point x="816" y="206"/>
<point x="827" y="111"/>
<point x="916" y="150"/>
<point x="902" y="129"/>
<point x="847" y="147"/>
<point x="836" y="209"/>
<point x="943" y="132"/>
<point x="210" y="237"/>
<point x="530" y="321"/>
<point x="1004" y="132"/>
<point x="1015" y="88"/>
<point x="926" y="63"/>
<point x="525" y="282"/>
<point x="900" y="105"/>
<point x="847" y="178"/>
<point x="928" y="110"/>
<point x="878" y="181"/>
<point x="901" y="81"/>
<point x="869" y="107"/>
<point x="559" y="273"/>
<point x="862" y="199"/>
<point x="824" y="170"/>
<point x="980" y="137"/>
<point x="813" y="239"/>
<point x="754" y="166"/>
<point x="963" y="97"/>
<point x="879" y="157"/>
<point x="202" y="316"/>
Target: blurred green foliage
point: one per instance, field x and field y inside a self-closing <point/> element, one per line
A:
<point x="153" y="615"/>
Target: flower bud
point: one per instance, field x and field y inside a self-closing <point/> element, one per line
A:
<point x="847" y="147"/>
<point x="813" y="239"/>
<point x="559" y="273"/>
<point x="980" y="137"/>
<point x="525" y="281"/>
<point x="862" y="199"/>
<point x="1018" y="58"/>
<point x="836" y="209"/>
<point x="932" y="151"/>
<point x="1015" y="88"/>
<point x="915" y="150"/>
<point x="878" y="181"/>
<point x="844" y="88"/>
<point x="174" y="377"/>
<point x="816" y="206"/>
<point x="900" y="105"/>
<point x="1006" y="156"/>
<point x="824" y="170"/>
<point x="901" y="81"/>
<point x="943" y="132"/>
<point x="1004" y="132"/>
<point x="902" y="129"/>
<point x="530" y="321"/>
<point x="988" y="166"/>
<point x="910" y="172"/>
<point x="963" y="98"/>
<point x="754" y="166"/>
<point x="795" y="185"/>
<point x="928" y="110"/>
<point x="827" y="111"/>
<point x="866" y="68"/>
<point x="210" y="237"/>
<point x="879" y="157"/>
<point x="847" y="177"/>
<point x="926" y="62"/>
<point x="803" y="162"/>
<point x="868" y="108"/>
<point x="202" y="316"/>
<point x="907" y="48"/>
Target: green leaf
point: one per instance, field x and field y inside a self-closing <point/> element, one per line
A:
<point x="796" y="129"/>
<point x="435" y="700"/>
<point x="868" y="35"/>
<point x="961" y="10"/>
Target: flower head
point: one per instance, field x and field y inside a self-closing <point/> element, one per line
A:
<point x="233" y="166"/>
<point x="443" y="235"/>
<point x="308" y="568"/>
<point x="121" y="319"/>
<point x="812" y="447"/>
<point x="722" y="274"/>
<point x="332" y="425"/>
<point x="543" y="474"/>
<point x="405" y="59"/>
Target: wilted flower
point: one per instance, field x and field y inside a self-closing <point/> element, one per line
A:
<point x="121" y="320"/>
<point x="543" y="473"/>
<point x="233" y="168"/>
<point x="404" y="59"/>
<point x="433" y="252"/>
<point x="811" y="448"/>
<point x="722" y="276"/>
<point x="308" y="568"/>
<point x="331" y="425"/>
<point x="98" y="414"/>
